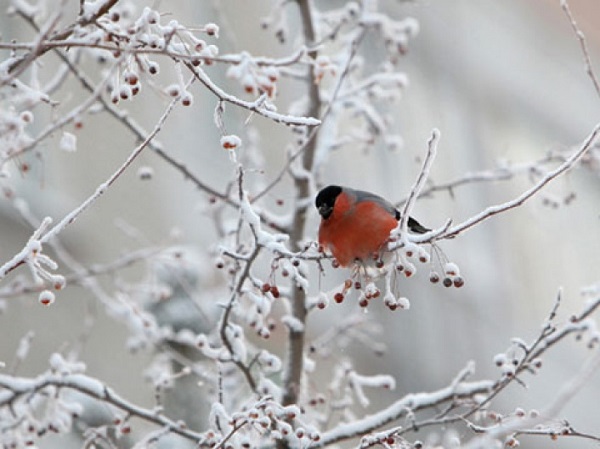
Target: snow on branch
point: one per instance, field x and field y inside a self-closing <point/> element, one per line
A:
<point x="589" y="69"/>
<point x="15" y="393"/>
<point x="406" y="405"/>
<point x="32" y="255"/>
<point x="576" y="156"/>
<point x="420" y="181"/>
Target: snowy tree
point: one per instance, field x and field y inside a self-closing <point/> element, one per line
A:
<point x="159" y="164"/>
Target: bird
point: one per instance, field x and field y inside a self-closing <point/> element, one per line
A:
<point x="356" y="225"/>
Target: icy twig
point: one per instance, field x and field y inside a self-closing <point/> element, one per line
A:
<point x="12" y="388"/>
<point x="564" y="395"/>
<point x="253" y="106"/>
<point x="102" y="188"/>
<point x="420" y="181"/>
<point x="518" y="201"/>
<point x="38" y="239"/>
<point x="409" y="403"/>
<point x="583" y="44"/>
<point x="312" y="136"/>
<point x="64" y="119"/>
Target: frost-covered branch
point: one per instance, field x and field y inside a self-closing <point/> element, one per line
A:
<point x="204" y="313"/>
<point x="420" y="181"/>
<point x="253" y="106"/>
<point x="409" y="404"/>
<point x="589" y="68"/>
<point x="34" y="246"/>
<point x="528" y="194"/>
<point x="15" y="391"/>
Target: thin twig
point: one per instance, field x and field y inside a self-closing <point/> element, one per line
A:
<point x="583" y="44"/>
<point x="312" y="135"/>
<point x="20" y="64"/>
<point x="102" y="188"/>
<point x="254" y="106"/>
<point x="420" y="181"/>
<point x="518" y="201"/>
<point x="15" y="387"/>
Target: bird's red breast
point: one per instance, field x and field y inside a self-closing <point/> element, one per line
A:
<point x="356" y="229"/>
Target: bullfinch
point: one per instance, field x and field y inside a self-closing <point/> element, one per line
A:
<point x="356" y="224"/>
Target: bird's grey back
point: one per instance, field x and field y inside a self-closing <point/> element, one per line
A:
<point x="361" y="195"/>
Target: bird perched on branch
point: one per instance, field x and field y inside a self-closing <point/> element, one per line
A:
<point x="357" y="224"/>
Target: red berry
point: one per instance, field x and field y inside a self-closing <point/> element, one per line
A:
<point x="459" y="282"/>
<point x="132" y="79"/>
<point x="447" y="282"/>
<point x="338" y="297"/>
<point x="275" y="291"/>
<point x="434" y="277"/>
<point x="265" y="287"/>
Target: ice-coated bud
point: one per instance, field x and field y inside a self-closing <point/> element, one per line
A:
<point x="212" y="29"/>
<point x="231" y="142"/>
<point x="46" y="298"/>
<point x="500" y="359"/>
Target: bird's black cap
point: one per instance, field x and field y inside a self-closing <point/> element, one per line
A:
<point x="326" y="199"/>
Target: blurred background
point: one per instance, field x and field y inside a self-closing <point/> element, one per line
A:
<point x="504" y="82"/>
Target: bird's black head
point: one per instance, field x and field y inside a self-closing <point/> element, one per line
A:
<point x="326" y="199"/>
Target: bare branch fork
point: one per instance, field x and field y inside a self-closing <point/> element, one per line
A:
<point x="15" y="387"/>
<point x="100" y="190"/>
<point x="135" y="128"/>
<point x="549" y="336"/>
<point x="518" y="201"/>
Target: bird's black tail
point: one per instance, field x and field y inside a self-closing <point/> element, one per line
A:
<point x="416" y="227"/>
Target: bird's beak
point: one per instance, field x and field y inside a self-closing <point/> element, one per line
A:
<point x="325" y="211"/>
